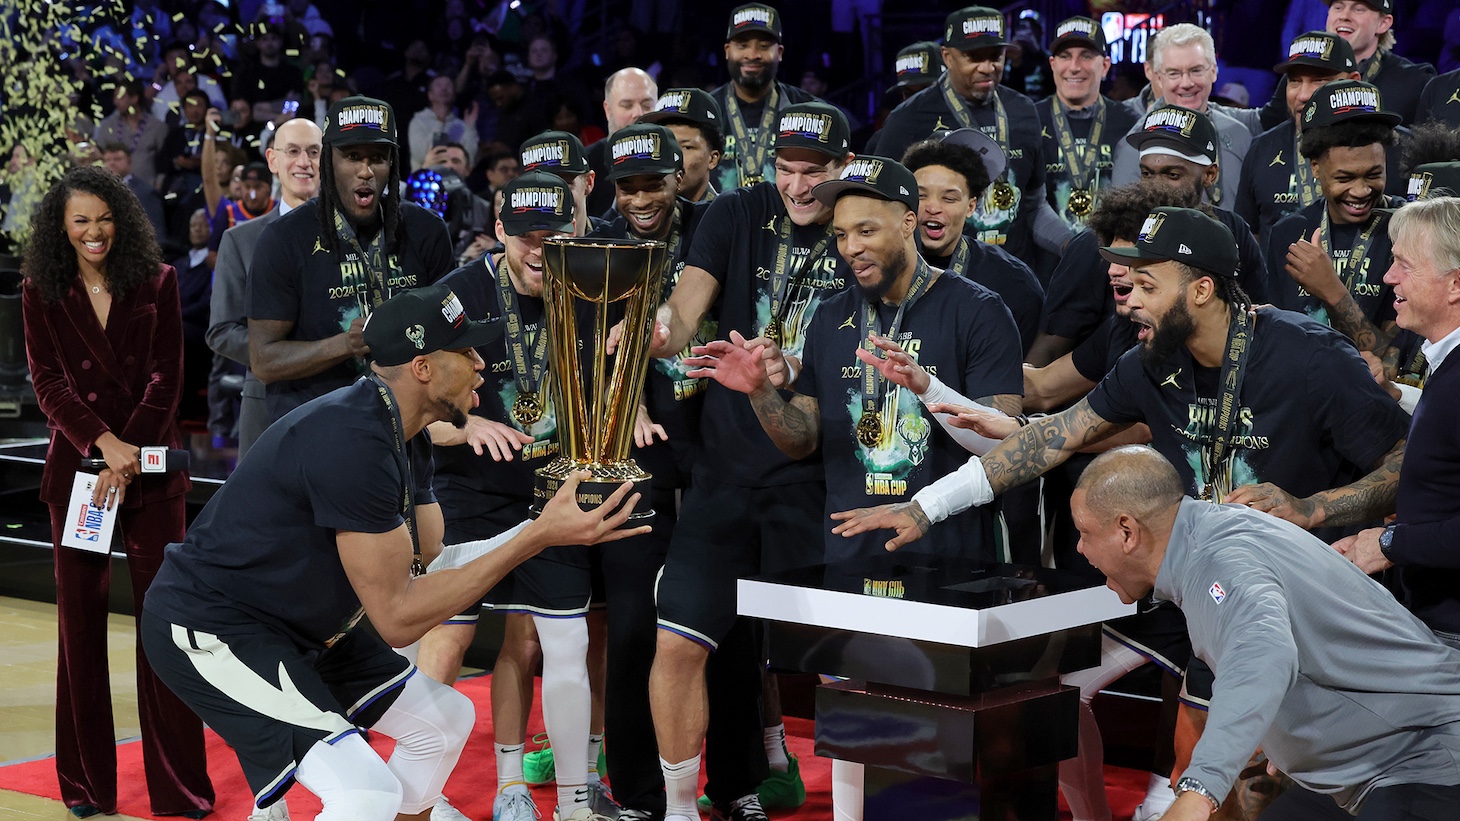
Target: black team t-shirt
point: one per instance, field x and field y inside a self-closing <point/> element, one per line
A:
<point x="1268" y="188"/>
<point x="736" y="243"/>
<point x="1310" y="419"/>
<point x="997" y="270"/>
<point x="1374" y="297"/>
<point x="1099" y="353"/>
<point x="1079" y="298"/>
<point x="295" y="278"/>
<point x="264" y="550"/>
<point x="478" y="485"/>
<point x="963" y="334"/>
<point x="1057" y="181"/>
<point x="673" y="399"/>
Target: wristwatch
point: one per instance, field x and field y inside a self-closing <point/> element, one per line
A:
<point x="1188" y="784"/>
<point x="1386" y="541"/>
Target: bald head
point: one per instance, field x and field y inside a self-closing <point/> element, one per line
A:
<point x="629" y="94"/>
<point x="1124" y="508"/>
<point x="294" y="158"/>
<point x="1133" y="480"/>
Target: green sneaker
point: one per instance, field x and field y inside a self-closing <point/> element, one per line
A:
<point x="780" y="790"/>
<point x="783" y="790"/>
<point x="537" y="766"/>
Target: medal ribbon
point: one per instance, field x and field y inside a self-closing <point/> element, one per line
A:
<point x="1082" y="176"/>
<point x="751" y="152"/>
<point x="1214" y="458"/>
<point x="372" y="291"/>
<point x="784" y="280"/>
<point x="408" y="505"/>
<point x="1308" y="191"/>
<point x="671" y="257"/>
<point x="529" y="358"/>
<point x="1360" y="250"/>
<point x="959" y="264"/>
<point x="872" y="381"/>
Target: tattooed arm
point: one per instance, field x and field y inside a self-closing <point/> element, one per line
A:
<point x="1349" y="320"/>
<point x="1370" y="498"/>
<point x="1044" y="444"/>
<point x="1009" y="404"/>
<point x="794" y="426"/>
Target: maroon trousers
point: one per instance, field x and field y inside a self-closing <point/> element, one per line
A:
<point x="172" y="735"/>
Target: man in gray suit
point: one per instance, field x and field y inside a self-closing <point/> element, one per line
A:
<point x="293" y="156"/>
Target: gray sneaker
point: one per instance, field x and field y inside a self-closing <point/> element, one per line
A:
<point x="514" y="806"/>
<point x="278" y="811"/>
<point x="443" y="811"/>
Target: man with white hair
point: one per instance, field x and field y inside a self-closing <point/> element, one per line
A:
<point x="1182" y="69"/>
<point x="1426" y="281"/>
<point x="628" y="94"/>
<point x="1368" y="26"/>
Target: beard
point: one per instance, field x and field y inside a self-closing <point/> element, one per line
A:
<point x="758" y="82"/>
<point x="447" y="412"/>
<point x="895" y="265"/>
<point x="1175" y="328"/>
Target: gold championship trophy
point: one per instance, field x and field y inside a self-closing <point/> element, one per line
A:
<point x="596" y="410"/>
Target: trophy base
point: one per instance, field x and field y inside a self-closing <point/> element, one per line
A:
<point x="601" y="483"/>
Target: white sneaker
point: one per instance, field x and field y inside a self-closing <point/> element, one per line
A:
<point x="582" y="814"/>
<point x="278" y="811"/>
<point x="443" y="811"/>
<point x="1159" y="797"/>
<point x="514" y="806"/>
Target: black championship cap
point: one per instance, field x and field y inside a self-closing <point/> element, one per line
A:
<point x="1178" y="132"/>
<point x="974" y="27"/>
<point x="1185" y="235"/>
<point x="1344" y="100"/>
<point x="1078" y="31"/>
<point x="1321" y="50"/>
<point x="817" y="126"/>
<point x="421" y="321"/>
<point x="555" y="151"/>
<point x="359" y="121"/>
<point x="918" y="65"/>
<point x="257" y="172"/>
<point x="754" y="18"/>
<point x="1381" y="6"/>
<point x="643" y="148"/>
<point x="687" y="105"/>
<point x="1429" y="179"/>
<point x="536" y="201"/>
<point x="875" y="177"/>
<point x="988" y="151"/>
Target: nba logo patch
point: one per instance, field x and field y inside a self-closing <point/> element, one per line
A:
<point x="1218" y="594"/>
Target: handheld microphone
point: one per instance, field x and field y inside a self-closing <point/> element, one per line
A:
<point x="154" y="459"/>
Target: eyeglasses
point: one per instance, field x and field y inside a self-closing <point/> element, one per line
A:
<point x="294" y="152"/>
<point x="1172" y="75"/>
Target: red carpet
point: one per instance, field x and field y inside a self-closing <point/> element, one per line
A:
<point x="473" y="784"/>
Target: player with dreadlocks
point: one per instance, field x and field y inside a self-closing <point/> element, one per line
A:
<point x="322" y="267"/>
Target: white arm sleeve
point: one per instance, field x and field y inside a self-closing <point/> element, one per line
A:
<point x="969" y="440"/>
<point x="1408" y="397"/>
<point x="457" y="555"/>
<point x="956" y="492"/>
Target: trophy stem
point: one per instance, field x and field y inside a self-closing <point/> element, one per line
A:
<point x="601" y="422"/>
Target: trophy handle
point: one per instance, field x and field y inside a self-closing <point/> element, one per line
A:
<point x="631" y="363"/>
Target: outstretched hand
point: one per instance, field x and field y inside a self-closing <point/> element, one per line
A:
<point x="897" y="367"/>
<point x="563" y="522"/>
<point x="1269" y="498"/>
<point x="986" y="423"/>
<point x="906" y="519"/>
<point x="733" y="363"/>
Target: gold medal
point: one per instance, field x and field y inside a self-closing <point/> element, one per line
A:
<point x="1003" y="195"/>
<point x="1081" y="202"/>
<point x="526" y="409"/>
<point x="869" y="428"/>
<point x="752" y="179"/>
<point x="773" y="331"/>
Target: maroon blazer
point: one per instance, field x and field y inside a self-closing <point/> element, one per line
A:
<point x="126" y="378"/>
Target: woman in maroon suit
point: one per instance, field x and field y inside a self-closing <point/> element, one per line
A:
<point x="103" y="333"/>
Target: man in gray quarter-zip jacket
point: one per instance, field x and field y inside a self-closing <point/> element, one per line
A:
<point x="1343" y="689"/>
